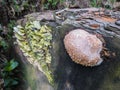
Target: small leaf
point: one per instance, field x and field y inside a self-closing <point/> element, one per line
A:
<point x="11" y="65"/>
<point x="10" y="82"/>
<point x="14" y="64"/>
<point x="4" y="44"/>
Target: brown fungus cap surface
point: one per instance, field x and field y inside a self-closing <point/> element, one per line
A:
<point x="83" y="48"/>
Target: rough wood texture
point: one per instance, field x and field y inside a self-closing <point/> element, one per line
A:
<point x="98" y="20"/>
<point x="71" y="76"/>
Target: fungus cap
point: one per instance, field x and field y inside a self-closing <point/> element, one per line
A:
<point x="83" y="48"/>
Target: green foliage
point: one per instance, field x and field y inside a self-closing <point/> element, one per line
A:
<point x="6" y="34"/>
<point x="19" y="6"/>
<point x="3" y="44"/>
<point x="108" y="4"/>
<point x="16" y="8"/>
<point x="94" y="3"/>
<point x="52" y="4"/>
<point x="11" y="24"/>
<point x="8" y="73"/>
<point x="8" y="82"/>
<point x="11" y="65"/>
<point x="8" y="66"/>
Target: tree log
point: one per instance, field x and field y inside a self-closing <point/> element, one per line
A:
<point x="69" y="75"/>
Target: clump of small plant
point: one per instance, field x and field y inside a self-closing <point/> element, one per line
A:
<point x="96" y="3"/>
<point x="52" y="4"/>
<point x="8" y="66"/>
<point x="9" y="74"/>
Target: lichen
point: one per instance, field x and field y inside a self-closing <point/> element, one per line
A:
<point x="34" y="41"/>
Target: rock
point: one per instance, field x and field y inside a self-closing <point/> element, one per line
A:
<point x="83" y="47"/>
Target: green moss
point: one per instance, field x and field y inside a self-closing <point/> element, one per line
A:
<point x="35" y="42"/>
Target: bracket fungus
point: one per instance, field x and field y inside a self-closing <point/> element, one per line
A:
<point x="34" y="41"/>
<point x="83" y="48"/>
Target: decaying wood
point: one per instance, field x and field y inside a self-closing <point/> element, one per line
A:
<point x="91" y="19"/>
<point x="70" y="76"/>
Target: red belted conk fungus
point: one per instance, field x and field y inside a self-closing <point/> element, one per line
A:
<point x="83" y="48"/>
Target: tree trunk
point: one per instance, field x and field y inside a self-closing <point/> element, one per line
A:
<point x="69" y="75"/>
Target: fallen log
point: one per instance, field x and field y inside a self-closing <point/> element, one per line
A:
<point x="69" y="75"/>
